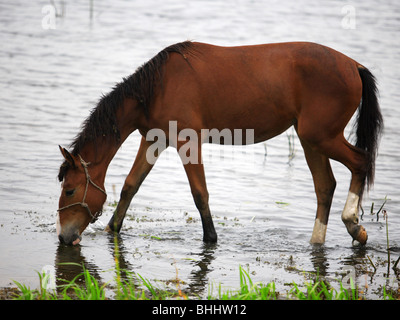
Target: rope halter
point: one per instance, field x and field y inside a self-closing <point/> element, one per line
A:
<point x="83" y="203"/>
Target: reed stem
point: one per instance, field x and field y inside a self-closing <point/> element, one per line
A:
<point x="385" y="216"/>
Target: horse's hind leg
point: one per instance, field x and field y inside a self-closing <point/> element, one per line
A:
<point x="358" y="168"/>
<point x="324" y="184"/>
<point x="140" y="169"/>
<point x="355" y="160"/>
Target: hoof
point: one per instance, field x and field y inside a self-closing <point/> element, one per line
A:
<point x="211" y="238"/>
<point x="362" y="235"/>
<point x="108" y="229"/>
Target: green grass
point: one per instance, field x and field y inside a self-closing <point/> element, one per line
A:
<point x="136" y="287"/>
<point x="132" y="287"/>
<point x="320" y="290"/>
<point x="312" y="290"/>
<point x="90" y="290"/>
<point x="247" y="291"/>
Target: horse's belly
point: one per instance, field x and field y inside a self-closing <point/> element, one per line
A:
<point x="246" y="130"/>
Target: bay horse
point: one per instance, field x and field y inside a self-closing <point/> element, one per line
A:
<point x="267" y="88"/>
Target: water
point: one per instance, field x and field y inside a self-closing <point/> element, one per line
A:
<point x="263" y="204"/>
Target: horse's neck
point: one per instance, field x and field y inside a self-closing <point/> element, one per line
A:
<point x="99" y="155"/>
<point x="100" y="152"/>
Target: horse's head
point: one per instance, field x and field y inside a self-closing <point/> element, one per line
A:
<point x="81" y="199"/>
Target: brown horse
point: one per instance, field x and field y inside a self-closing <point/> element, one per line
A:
<point x="266" y="88"/>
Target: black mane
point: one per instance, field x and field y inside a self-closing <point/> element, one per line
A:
<point x="139" y="86"/>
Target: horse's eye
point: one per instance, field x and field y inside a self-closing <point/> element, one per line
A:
<point x="70" y="193"/>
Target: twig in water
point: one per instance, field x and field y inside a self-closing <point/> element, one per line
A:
<point x="385" y="216"/>
<point x="292" y="150"/>
<point x="371" y="263"/>
<point x="377" y="214"/>
<point x="265" y="149"/>
<point x="395" y="265"/>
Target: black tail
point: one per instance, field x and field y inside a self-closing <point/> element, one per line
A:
<point x="369" y="122"/>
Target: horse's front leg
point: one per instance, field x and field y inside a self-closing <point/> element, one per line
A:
<point x="140" y="169"/>
<point x="195" y="172"/>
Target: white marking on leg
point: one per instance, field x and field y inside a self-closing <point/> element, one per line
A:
<point x="319" y="232"/>
<point x="350" y="212"/>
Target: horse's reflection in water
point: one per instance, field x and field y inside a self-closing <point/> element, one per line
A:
<point x="198" y="279"/>
<point x="70" y="264"/>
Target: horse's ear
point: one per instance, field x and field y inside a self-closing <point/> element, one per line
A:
<point x="67" y="156"/>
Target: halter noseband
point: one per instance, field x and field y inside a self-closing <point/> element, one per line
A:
<point x="83" y="203"/>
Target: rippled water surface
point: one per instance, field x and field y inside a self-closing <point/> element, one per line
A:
<point x="263" y="203"/>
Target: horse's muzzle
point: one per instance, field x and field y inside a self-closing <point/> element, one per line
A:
<point x="68" y="234"/>
<point x="72" y="239"/>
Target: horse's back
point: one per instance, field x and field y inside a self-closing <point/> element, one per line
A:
<point x="264" y="87"/>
